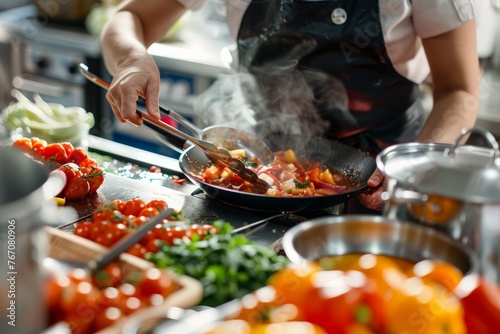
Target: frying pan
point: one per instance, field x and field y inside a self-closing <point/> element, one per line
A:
<point x="358" y="166"/>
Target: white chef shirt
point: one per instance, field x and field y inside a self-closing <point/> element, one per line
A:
<point x="404" y="24"/>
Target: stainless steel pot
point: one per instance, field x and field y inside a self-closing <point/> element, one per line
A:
<point x="22" y="242"/>
<point x="451" y="188"/>
<point x="371" y="234"/>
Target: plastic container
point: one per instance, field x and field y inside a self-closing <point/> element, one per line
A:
<point x="54" y="123"/>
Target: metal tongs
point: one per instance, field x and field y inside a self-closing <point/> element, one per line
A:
<point x="218" y="155"/>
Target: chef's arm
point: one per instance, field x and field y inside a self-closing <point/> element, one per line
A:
<point x="454" y="65"/>
<point x="124" y="43"/>
<point x="135" y="26"/>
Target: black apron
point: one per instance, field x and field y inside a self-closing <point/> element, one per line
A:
<point x="324" y="43"/>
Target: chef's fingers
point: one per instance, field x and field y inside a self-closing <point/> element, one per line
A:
<point x="114" y="107"/>
<point x="376" y="179"/>
<point x="128" y="107"/>
<point x="152" y="99"/>
<point x="372" y="198"/>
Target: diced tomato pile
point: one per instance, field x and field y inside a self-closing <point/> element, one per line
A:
<point x="114" y="221"/>
<point x="91" y="303"/>
<point x="83" y="175"/>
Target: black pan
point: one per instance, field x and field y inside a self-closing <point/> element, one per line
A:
<point x="357" y="165"/>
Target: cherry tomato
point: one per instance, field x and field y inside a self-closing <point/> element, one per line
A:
<point x="137" y="250"/>
<point x="175" y="232"/>
<point x="88" y="165"/>
<point x="38" y="146"/>
<point x="56" y="152"/>
<point x="54" y="287"/>
<point x="79" y="299"/>
<point x="109" y="276"/>
<point x="155" y="281"/>
<point x="134" y="221"/>
<point x="68" y="147"/>
<point x="148" y="212"/>
<point x="153" y="246"/>
<point x="95" y="179"/>
<point x="76" y="189"/>
<point x="157" y="204"/>
<point x="97" y="228"/>
<point x="117" y="204"/>
<point x="78" y="275"/>
<point x="109" y="297"/>
<point x="107" y="318"/>
<point x="106" y="213"/>
<point x="132" y="304"/>
<point x="127" y="290"/>
<point x="111" y="234"/>
<point x="79" y="324"/>
<point x="83" y="230"/>
<point x="202" y="230"/>
<point x="78" y="155"/>
<point x="70" y="172"/>
<point x="23" y="144"/>
<point x="134" y="207"/>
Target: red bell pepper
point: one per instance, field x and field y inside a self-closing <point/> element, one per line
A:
<point x="482" y="308"/>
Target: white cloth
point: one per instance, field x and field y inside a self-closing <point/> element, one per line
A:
<point x="404" y="24"/>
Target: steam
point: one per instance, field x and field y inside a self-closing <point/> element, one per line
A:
<point x="280" y="101"/>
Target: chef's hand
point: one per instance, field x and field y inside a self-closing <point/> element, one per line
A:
<point x="372" y="196"/>
<point x="137" y="75"/>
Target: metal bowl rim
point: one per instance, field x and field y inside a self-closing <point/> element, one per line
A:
<point x="293" y="233"/>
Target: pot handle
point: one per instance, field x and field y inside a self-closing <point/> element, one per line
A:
<point x="486" y="136"/>
<point x="394" y="197"/>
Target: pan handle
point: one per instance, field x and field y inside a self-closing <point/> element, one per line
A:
<point x="178" y="144"/>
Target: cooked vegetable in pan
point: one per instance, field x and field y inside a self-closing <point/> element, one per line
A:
<point x="288" y="176"/>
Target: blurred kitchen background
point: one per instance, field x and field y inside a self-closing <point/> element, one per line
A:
<point x="43" y="41"/>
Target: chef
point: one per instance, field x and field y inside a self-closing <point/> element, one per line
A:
<point x="359" y="62"/>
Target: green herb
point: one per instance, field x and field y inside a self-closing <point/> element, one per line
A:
<point x="228" y="265"/>
<point x="301" y="185"/>
<point x="249" y="163"/>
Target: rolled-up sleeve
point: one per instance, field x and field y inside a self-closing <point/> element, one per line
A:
<point x="192" y="4"/>
<point x="435" y="17"/>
